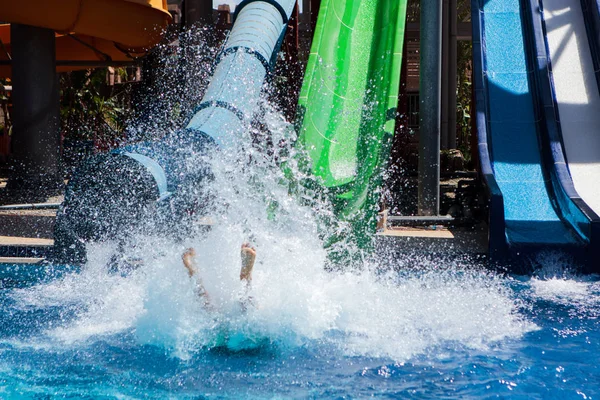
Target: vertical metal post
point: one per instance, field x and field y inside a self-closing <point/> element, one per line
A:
<point x="36" y="115"/>
<point x="305" y="15"/>
<point x="452" y="72"/>
<point x="314" y="12"/>
<point x="430" y="98"/>
<point x="444" y="82"/>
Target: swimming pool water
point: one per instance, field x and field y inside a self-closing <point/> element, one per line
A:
<point x="407" y="326"/>
<point x="447" y="332"/>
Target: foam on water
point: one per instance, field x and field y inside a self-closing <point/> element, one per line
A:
<point x="370" y="311"/>
<point x="557" y="281"/>
<point x="298" y="303"/>
<point x="102" y="303"/>
<point x="143" y="333"/>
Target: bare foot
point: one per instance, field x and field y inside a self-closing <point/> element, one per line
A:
<point x="248" y="254"/>
<point x="188" y="261"/>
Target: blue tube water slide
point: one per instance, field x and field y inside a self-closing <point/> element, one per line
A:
<point x="527" y="210"/>
<point x="231" y="99"/>
<point x="109" y="194"/>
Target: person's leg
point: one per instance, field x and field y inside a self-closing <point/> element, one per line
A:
<point x="190" y="265"/>
<point x="248" y="254"/>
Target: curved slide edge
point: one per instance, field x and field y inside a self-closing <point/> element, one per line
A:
<point x="497" y="247"/>
<point x="572" y="206"/>
<point x="591" y="15"/>
<point x="524" y="217"/>
<point x="575" y="91"/>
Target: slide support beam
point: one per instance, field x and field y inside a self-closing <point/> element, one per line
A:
<point x="36" y="115"/>
<point x="430" y="107"/>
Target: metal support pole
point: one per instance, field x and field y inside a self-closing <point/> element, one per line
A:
<point x="430" y="98"/>
<point x="314" y="12"/>
<point x="452" y="72"/>
<point x="305" y="15"/>
<point x="36" y="115"/>
<point x="444" y="82"/>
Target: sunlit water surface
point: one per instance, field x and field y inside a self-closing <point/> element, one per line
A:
<point x="390" y="327"/>
<point x="394" y="327"/>
<point x="445" y="332"/>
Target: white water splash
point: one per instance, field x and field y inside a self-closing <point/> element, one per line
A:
<point x="298" y="303"/>
<point x="365" y="312"/>
<point x="557" y="281"/>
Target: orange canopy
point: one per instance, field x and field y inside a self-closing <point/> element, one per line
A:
<point x="114" y="28"/>
<point x="135" y="24"/>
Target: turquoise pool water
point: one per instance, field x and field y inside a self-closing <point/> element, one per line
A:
<point x="444" y="331"/>
<point x="400" y="326"/>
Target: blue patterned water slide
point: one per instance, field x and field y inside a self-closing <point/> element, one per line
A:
<point x="524" y="213"/>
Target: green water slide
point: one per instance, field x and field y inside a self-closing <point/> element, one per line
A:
<point x="348" y="102"/>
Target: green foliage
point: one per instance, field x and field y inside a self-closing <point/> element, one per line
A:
<point x="91" y="110"/>
<point x="464" y="68"/>
<point x="464" y="98"/>
<point x="413" y="11"/>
